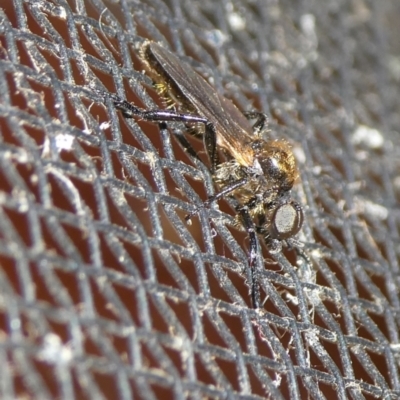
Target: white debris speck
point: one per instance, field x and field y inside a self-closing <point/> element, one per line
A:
<point x="104" y="125"/>
<point x="236" y="22"/>
<point x="307" y="23"/>
<point x="64" y="141"/>
<point x="62" y="13"/>
<point x="53" y="351"/>
<point x="299" y="154"/>
<point x="376" y="210"/>
<point x="367" y="136"/>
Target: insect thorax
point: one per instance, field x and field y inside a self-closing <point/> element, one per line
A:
<point x="254" y="192"/>
<point x="277" y="162"/>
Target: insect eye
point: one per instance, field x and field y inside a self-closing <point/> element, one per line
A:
<point x="286" y="220"/>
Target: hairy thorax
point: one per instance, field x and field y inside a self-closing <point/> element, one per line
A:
<point x="271" y="173"/>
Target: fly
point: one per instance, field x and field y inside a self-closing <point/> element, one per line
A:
<point x="256" y="172"/>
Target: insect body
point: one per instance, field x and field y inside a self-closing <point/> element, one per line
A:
<point x="258" y="173"/>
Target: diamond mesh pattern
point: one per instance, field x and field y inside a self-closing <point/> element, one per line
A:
<point x="106" y="292"/>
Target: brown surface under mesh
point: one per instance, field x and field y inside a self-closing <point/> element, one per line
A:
<point x="106" y="292"/>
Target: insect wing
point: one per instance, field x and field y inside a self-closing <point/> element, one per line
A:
<point x="232" y="128"/>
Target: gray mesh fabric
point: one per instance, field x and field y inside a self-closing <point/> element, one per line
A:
<point x="106" y="291"/>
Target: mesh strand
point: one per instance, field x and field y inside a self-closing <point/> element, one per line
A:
<point x="106" y="292"/>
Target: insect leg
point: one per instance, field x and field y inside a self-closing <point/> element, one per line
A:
<point x="230" y="188"/>
<point x="183" y="141"/>
<point x="210" y="143"/>
<point x="186" y="144"/>
<point x="226" y="190"/>
<point x="210" y="137"/>
<point x="254" y="276"/>
<point x="261" y="121"/>
<point x="131" y="111"/>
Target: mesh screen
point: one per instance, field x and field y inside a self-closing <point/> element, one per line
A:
<point x="106" y="292"/>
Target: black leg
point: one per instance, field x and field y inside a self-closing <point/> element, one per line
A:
<point x="226" y="190"/>
<point x="180" y="136"/>
<point x="254" y="276"/>
<point x="182" y="140"/>
<point x="261" y="121"/>
<point x="210" y="136"/>
<point x="210" y="143"/>
<point x="131" y="111"/>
